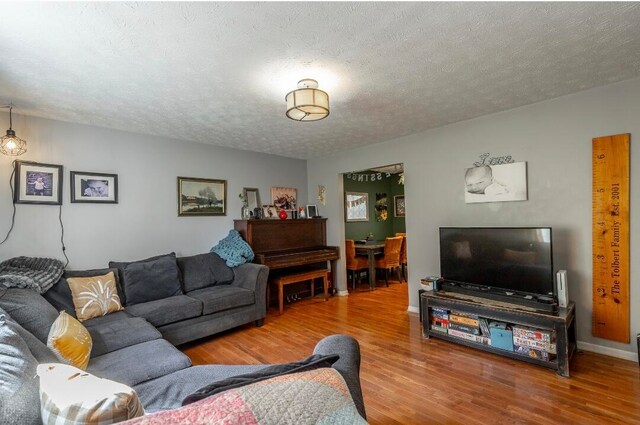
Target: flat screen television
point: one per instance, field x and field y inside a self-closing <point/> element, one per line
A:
<point x="507" y="259"/>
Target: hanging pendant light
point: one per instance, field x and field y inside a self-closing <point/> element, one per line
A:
<point x="11" y="144"/>
<point x="308" y="103"/>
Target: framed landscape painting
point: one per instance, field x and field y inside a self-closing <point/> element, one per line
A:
<point x="96" y="188"/>
<point x="36" y="183"/>
<point x="201" y="197"/>
<point x="398" y="206"/>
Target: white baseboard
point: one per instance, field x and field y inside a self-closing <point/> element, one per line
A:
<point x="342" y="293"/>
<point x="412" y="309"/>
<point x="608" y="351"/>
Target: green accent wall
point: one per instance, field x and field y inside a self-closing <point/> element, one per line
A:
<point x="380" y="229"/>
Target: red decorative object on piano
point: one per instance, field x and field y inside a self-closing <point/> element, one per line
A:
<point x="282" y="214"/>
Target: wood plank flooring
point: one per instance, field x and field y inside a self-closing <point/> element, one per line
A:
<point x="409" y="380"/>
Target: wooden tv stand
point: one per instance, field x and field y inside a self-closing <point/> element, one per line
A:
<point x="562" y="324"/>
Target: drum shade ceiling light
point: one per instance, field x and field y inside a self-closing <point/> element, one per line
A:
<point x="308" y="103"/>
<point x="11" y="144"/>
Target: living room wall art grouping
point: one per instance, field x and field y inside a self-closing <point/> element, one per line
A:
<point x="40" y="183"/>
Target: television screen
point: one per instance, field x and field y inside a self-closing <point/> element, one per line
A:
<point x="511" y="258"/>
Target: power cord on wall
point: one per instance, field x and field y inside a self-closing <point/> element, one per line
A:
<point x="13" y="216"/>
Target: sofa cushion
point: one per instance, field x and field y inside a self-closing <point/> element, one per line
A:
<point x="94" y="296"/>
<point x="203" y="270"/>
<point x="220" y="298"/>
<point x="70" y="341"/>
<point x="151" y="280"/>
<point x="70" y="396"/>
<point x="121" y="265"/>
<point x="19" y="397"/>
<point x="167" y="310"/>
<point x="29" y="309"/>
<point x="139" y="363"/>
<point x="109" y="318"/>
<point x="118" y="334"/>
<point x="39" y="350"/>
<point x="60" y="294"/>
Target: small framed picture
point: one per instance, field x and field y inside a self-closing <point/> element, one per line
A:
<point x="98" y="188"/>
<point x="398" y="206"/>
<point x="37" y="183"/>
<point x="312" y="211"/>
<point x="201" y="197"/>
<point x="356" y="205"/>
<point x="269" y="211"/>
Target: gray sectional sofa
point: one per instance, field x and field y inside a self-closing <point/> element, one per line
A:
<point x="185" y="298"/>
<point x="135" y="346"/>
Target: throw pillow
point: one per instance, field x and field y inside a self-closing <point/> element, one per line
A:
<point x="19" y="401"/>
<point x="29" y="309"/>
<point x="94" y="296"/>
<point x="233" y="249"/>
<point x="148" y="280"/>
<point x="204" y="270"/>
<point x="312" y="362"/>
<point x="70" y="395"/>
<point x="60" y="294"/>
<point x="318" y="396"/>
<point x="70" y="341"/>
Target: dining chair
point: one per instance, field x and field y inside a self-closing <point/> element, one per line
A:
<point x="355" y="264"/>
<point x="403" y="255"/>
<point x="391" y="258"/>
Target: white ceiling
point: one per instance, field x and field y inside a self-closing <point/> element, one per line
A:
<point x="218" y="72"/>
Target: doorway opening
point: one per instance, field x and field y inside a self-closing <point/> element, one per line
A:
<point x="375" y="229"/>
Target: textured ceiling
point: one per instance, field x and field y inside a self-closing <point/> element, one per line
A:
<point x="218" y="72"/>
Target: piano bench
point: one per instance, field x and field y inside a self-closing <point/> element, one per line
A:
<point x="308" y="275"/>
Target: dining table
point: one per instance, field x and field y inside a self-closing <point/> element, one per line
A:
<point x="370" y="249"/>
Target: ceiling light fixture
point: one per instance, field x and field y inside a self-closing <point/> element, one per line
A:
<point x="11" y="144"/>
<point x="308" y="103"/>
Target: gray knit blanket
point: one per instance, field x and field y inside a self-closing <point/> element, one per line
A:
<point x="34" y="273"/>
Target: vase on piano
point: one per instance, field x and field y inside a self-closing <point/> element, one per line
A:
<point x="282" y="214"/>
<point x="245" y="213"/>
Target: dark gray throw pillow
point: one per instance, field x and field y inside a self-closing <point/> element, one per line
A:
<point x="315" y="361"/>
<point x="151" y="280"/>
<point x="120" y="265"/>
<point x="60" y="294"/>
<point x="204" y="270"/>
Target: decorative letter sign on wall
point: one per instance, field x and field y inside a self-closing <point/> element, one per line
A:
<point x="610" y="237"/>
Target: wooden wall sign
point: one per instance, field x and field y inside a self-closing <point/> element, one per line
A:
<point x="610" y="237"/>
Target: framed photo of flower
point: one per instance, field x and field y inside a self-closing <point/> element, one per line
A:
<point x="37" y="183"/>
<point x="98" y="188"/>
<point x="201" y="197"/>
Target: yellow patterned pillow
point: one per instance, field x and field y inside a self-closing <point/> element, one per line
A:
<point x="94" y="296"/>
<point x="70" y="341"/>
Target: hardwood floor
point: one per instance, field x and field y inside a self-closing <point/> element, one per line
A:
<point x="409" y="380"/>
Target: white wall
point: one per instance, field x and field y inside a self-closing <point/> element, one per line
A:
<point x="554" y="138"/>
<point x="145" y="220"/>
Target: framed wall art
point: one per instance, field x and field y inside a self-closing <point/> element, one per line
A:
<point x="284" y="197"/>
<point x="201" y="197"/>
<point x="356" y="205"/>
<point x="96" y="188"/>
<point x="37" y="183"/>
<point x="496" y="183"/>
<point x="398" y="206"/>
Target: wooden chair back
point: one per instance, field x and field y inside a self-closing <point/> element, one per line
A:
<point x="403" y="248"/>
<point x="350" y="249"/>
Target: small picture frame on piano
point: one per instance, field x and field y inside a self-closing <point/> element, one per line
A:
<point x="312" y="211"/>
<point x="269" y="212"/>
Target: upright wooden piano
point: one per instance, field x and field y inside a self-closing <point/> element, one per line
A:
<point x="284" y="245"/>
